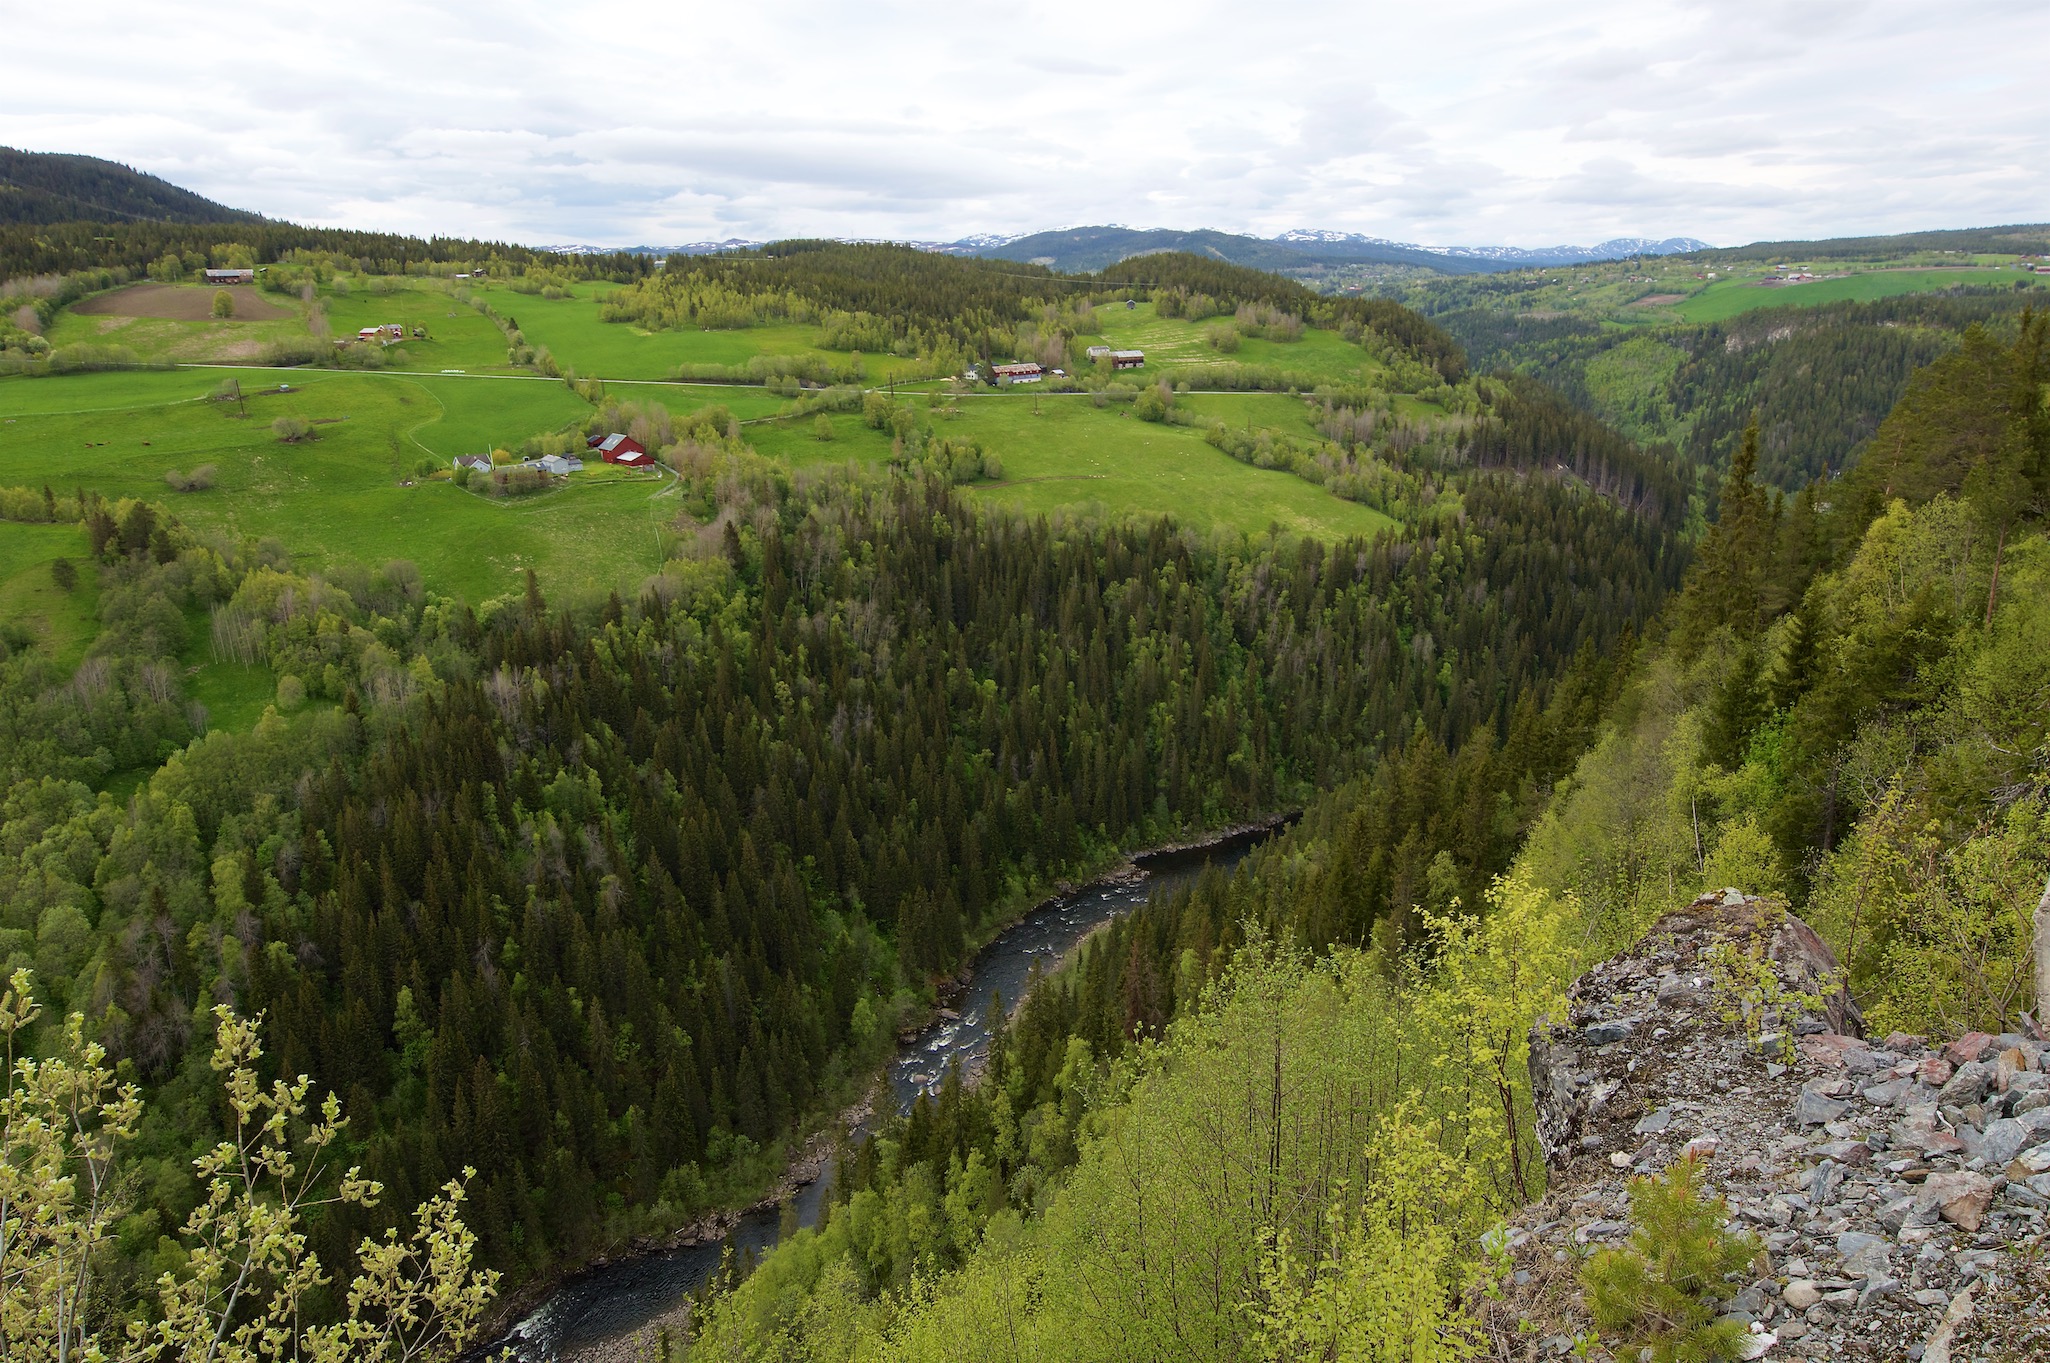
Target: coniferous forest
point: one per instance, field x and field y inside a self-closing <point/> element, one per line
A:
<point x="593" y="909"/>
<point x="606" y="904"/>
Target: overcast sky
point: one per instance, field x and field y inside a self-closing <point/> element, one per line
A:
<point x="1450" y="123"/>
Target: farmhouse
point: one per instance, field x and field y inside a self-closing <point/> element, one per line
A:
<point x="621" y="449"/>
<point x="474" y="461"/>
<point x="1127" y="359"/>
<point x="1097" y="352"/>
<point x="231" y="276"/>
<point x="388" y="334"/>
<point x="1017" y="373"/>
<point x="560" y="463"/>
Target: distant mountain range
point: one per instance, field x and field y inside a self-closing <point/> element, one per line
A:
<point x="1615" y="248"/>
<point x="1098" y="248"/>
<point x="39" y="187"/>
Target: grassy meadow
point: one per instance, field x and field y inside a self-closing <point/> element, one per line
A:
<point x="32" y="606"/>
<point x="351" y="494"/>
<point x="1728" y="298"/>
<point x="1174" y="342"/>
<point x="578" y="338"/>
<point x="1063" y="454"/>
<point x="458" y="336"/>
<point x="371" y="485"/>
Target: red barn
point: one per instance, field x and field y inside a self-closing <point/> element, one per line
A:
<point x="621" y="449"/>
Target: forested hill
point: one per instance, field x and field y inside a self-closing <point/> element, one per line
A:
<point x="1284" y="1113"/>
<point x="1100" y="248"/>
<point x="48" y="187"/>
<point x="876" y="297"/>
<point x="2028" y="238"/>
<point x="60" y="214"/>
<point x="607" y="905"/>
<point x="1818" y="380"/>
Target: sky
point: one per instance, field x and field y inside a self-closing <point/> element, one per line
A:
<point x="1447" y="124"/>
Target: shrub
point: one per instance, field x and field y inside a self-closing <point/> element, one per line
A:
<point x="292" y="429"/>
<point x="1152" y="403"/>
<point x="822" y="428"/>
<point x="199" y="480"/>
<point x="311" y="350"/>
<point x="224" y="303"/>
<point x="1659" y="1293"/>
<point x="64" y="574"/>
<point x="1222" y="338"/>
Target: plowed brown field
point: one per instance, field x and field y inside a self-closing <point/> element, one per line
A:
<point x="179" y="303"/>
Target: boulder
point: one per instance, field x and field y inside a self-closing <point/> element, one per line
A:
<point x="1608" y="1033"/>
<point x="1934" y="1071"/>
<point x="1960" y="1197"/>
<point x="1824" y="1182"/>
<point x="1971" y="1047"/>
<point x="1865" y="1256"/>
<point x="2002" y="1141"/>
<point x="1971" y="1082"/>
<point x="1801" y="1294"/>
<point x="1923" y="1130"/>
<point x="1813" y="1109"/>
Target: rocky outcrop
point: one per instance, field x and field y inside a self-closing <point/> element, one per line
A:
<point x="1899" y="1189"/>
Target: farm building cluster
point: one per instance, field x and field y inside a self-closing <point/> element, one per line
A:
<point x="1003" y="375"/>
<point x="614" y="448"/>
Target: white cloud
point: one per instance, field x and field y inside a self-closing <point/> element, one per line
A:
<point x="1481" y="121"/>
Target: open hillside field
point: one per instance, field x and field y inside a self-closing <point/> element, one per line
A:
<point x="1724" y="299"/>
<point x="176" y="322"/>
<point x="1073" y="456"/>
<point x="577" y="338"/>
<point x="1171" y="341"/>
<point x="181" y="303"/>
<point x="352" y="494"/>
<point x="32" y="604"/>
<point x="458" y="336"/>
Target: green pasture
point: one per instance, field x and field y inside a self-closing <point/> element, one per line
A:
<point x="234" y="694"/>
<point x="747" y="401"/>
<point x="351" y="494"/>
<point x="1728" y="298"/>
<point x="458" y="336"/>
<point x="1173" y="341"/>
<point x="61" y="622"/>
<point x="1271" y="411"/>
<point x="577" y="338"/>
<point x="1072" y="456"/>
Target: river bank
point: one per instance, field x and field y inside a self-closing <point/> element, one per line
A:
<point x="638" y="1285"/>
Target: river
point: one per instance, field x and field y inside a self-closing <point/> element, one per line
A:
<point x="617" y="1299"/>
